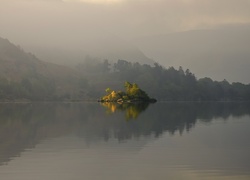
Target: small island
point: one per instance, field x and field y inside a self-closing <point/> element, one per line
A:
<point x="133" y="94"/>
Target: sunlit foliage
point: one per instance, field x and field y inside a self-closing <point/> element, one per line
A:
<point x="133" y="93"/>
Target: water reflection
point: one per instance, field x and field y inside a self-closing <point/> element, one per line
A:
<point x="132" y="110"/>
<point x="24" y="126"/>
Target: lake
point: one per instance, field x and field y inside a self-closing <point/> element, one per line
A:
<point x="92" y="141"/>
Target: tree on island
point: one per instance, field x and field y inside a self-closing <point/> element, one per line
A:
<point x="133" y="94"/>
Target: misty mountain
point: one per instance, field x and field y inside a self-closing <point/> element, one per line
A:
<point x="70" y="50"/>
<point x="24" y="73"/>
<point x="24" y="77"/>
<point x="221" y="53"/>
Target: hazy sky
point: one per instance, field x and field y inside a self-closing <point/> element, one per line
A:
<point x="124" y="18"/>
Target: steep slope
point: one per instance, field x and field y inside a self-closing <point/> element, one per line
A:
<point x="24" y="69"/>
<point x="220" y="53"/>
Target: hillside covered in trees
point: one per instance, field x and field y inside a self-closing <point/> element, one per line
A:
<point x="25" y="77"/>
<point x="168" y="84"/>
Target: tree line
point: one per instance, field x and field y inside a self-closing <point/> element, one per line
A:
<point x="35" y="88"/>
<point x="169" y="84"/>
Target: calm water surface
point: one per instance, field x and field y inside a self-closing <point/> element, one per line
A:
<point x="78" y="141"/>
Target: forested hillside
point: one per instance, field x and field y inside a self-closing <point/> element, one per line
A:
<point x="167" y="83"/>
<point x="25" y="77"/>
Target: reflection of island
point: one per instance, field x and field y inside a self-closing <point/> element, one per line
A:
<point x="132" y="110"/>
<point x="23" y="126"/>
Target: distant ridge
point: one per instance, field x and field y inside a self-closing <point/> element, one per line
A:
<point x="217" y="53"/>
<point x="111" y="48"/>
